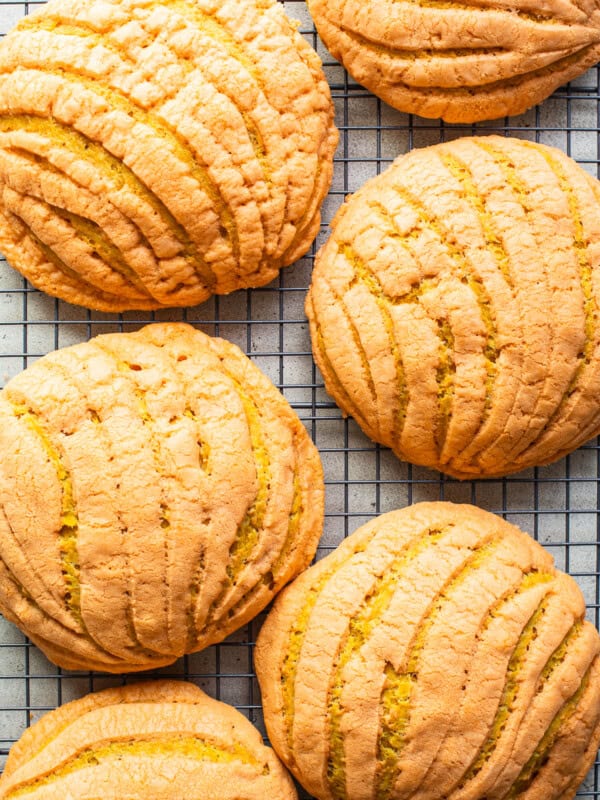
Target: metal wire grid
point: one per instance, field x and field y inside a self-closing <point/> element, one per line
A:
<point x="558" y="504"/>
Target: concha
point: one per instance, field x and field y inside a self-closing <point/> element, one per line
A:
<point x="461" y="61"/>
<point x="156" y="491"/>
<point x="164" y="740"/>
<point x="437" y="654"/>
<point x="454" y="311"/>
<point x="156" y="152"/>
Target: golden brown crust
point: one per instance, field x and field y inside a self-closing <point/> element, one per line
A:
<point x="436" y="655"/>
<point x="163" y="740"/>
<point x="465" y="282"/>
<point x="464" y="62"/>
<point x="155" y="152"/>
<point x="156" y="491"/>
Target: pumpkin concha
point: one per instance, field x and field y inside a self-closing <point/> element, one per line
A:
<point x="164" y="740"/>
<point x="156" y="491"/>
<point x="155" y="153"/>
<point x="437" y="654"/>
<point x="454" y="311"/>
<point x="463" y="62"/>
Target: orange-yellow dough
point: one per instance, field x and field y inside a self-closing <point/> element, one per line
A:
<point x="454" y="309"/>
<point x="165" y="740"/>
<point x="156" y="491"/>
<point x="437" y="654"/>
<point x="156" y="152"/>
<point x="462" y="61"/>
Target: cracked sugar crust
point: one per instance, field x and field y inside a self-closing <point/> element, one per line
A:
<point x="164" y="740"/>
<point x="156" y="492"/>
<point x="156" y="152"/>
<point x="437" y="654"/>
<point x="461" y="61"/>
<point x="454" y="311"/>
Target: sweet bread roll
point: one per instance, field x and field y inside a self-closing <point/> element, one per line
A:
<point x="437" y="654"/>
<point x="454" y="311"/>
<point x="464" y="62"/>
<point x="156" y="491"/>
<point x="155" y="153"/>
<point x="165" y="740"/>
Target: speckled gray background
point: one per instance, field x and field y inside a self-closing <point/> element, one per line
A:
<point x="557" y="504"/>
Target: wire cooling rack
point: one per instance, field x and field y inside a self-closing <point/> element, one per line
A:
<point x="558" y="504"/>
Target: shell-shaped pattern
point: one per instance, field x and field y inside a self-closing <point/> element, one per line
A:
<point x="462" y="60"/>
<point x="454" y="309"/>
<point x="163" y="740"/>
<point x="437" y="654"/>
<point x="156" y="491"/>
<point x="156" y="152"/>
